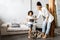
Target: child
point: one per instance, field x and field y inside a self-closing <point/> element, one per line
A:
<point x="30" y="20"/>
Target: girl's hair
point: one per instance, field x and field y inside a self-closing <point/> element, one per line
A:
<point x="30" y="12"/>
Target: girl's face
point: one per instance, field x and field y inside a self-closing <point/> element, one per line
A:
<point x="30" y="14"/>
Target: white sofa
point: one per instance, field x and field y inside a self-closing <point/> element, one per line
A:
<point x="6" y="29"/>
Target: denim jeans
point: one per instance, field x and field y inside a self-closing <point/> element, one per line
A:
<point x="44" y="30"/>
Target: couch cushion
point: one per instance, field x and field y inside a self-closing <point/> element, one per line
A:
<point x="22" y="27"/>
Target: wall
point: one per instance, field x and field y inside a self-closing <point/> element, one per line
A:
<point x="14" y="10"/>
<point x="44" y="2"/>
<point x="34" y="8"/>
<point x="58" y="12"/>
<point x="11" y="10"/>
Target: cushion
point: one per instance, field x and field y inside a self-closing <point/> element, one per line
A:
<point x="22" y="27"/>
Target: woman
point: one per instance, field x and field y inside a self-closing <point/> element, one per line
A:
<point x="47" y="19"/>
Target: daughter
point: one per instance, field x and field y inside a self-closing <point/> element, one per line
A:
<point x="30" y="20"/>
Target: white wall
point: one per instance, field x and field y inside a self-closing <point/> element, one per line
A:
<point x="14" y="10"/>
<point x="58" y="12"/>
<point x="11" y="10"/>
<point x="44" y="2"/>
<point x="34" y="8"/>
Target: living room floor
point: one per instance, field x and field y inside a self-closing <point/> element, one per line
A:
<point x="24" y="36"/>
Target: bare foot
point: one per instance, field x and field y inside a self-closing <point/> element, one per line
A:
<point x="45" y="36"/>
<point x="29" y="37"/>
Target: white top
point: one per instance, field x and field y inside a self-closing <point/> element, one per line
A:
<point x="29" y="17"/>
<point x="44" y="12"/>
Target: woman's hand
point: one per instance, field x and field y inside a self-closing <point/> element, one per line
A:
<point x="35" y="18"/>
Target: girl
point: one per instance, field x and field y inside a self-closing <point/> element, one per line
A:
<point x="30" y="21"/>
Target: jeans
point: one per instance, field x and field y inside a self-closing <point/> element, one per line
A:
<point x="44" y="30"/>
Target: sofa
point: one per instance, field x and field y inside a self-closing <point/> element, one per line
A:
<point x="6" y="29"/>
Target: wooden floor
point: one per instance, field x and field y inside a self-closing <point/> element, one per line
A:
<point x="24" y="37"/>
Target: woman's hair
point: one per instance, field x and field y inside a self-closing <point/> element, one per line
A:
<point x="30" y="12"/>
<point x="39" y="3"/>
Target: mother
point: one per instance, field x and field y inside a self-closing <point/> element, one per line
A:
<point x="47" y="19"/>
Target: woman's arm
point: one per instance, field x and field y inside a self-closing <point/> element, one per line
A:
<point x="38" y="16"/>
<point x="46" y="14"/>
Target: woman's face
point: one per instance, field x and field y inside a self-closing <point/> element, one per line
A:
<point x="39" y="7"/>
